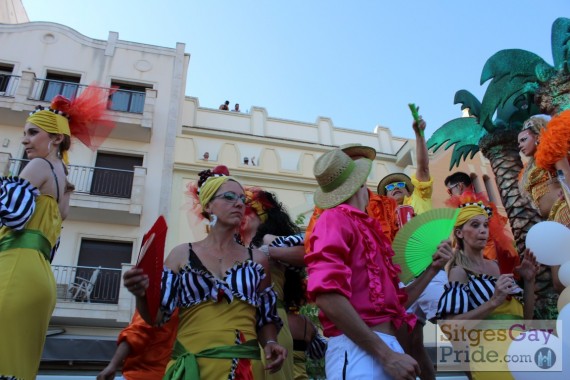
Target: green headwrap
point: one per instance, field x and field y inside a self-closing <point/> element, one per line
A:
<point x="210" y="187"/>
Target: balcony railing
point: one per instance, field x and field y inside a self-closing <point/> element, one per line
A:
<point x="74" y="284"/>
<point x="90" y="180"/>
<point x="121" y="100"/>
<point x="8" y="85"/>
<point x="128" y="101"/>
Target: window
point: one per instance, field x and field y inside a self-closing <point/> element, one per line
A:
<point x="109" y="255"/>
<point x="128" y="97"/>
<point x="5" y="75"/>
<point x="59" y="84"/>
<point x="113" y="175"/>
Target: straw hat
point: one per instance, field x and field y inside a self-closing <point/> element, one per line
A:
<point x="339" y="177"/>
<point x="394" y="177"/>
<point x="356" y="151"/>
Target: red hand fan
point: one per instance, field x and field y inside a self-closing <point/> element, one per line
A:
<point x="151" y="261"/>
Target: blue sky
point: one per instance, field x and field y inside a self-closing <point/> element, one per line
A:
<point x="357" y="62"/>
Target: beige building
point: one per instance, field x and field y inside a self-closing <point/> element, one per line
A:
<point x="158" y="146"/>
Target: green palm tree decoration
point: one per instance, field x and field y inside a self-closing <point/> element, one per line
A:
<point x="517" y="77"/>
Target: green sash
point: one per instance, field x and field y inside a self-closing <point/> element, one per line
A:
<point x="186" y="366"/>
<point x="30" y="239"/>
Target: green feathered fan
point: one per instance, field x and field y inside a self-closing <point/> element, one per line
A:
<point x="416" y="242"/>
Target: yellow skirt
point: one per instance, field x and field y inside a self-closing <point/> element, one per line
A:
<point x="286" y="340"/>
<point x="27" y="300"/>
<point x="213" y="324"/>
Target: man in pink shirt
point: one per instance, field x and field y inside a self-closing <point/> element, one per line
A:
<point x="353" y="280"/>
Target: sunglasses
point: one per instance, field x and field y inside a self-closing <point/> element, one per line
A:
<point x="452" y="187"/>
<point x="395" y="185"/>
<point x="230" y="196"/>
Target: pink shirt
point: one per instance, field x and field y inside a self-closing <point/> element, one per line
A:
<point x="346" y="241"/>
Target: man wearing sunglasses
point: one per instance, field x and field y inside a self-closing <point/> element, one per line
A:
<point x="458" y="183"/>
<point x="416" y="192"/>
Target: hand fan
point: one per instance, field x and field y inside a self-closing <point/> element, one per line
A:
<point x="416" y="242"/>
<point x="151" y="261"/>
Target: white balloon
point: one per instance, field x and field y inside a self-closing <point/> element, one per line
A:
<point x="564" y="273"/>
<point x="528" y="348"/>
<point x="563" y="325"/>
<point x="550" y="242"/>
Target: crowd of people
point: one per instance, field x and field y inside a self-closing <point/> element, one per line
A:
<point x="230" y="303"/>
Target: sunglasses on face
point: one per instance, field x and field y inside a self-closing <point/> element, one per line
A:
<point x="230" y="196"/>
<point x="395" y="185"/>
<point x="452" y="187"/>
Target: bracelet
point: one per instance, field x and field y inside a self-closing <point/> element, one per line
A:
<point x="270" y="341"/>
<point x="265" y="249"/>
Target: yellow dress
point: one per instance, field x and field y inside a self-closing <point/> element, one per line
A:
<point x="214" y="324"/>
<point x="511" y="309"/>
<point x="285" y="339"/>
<point x="27" y="294"/>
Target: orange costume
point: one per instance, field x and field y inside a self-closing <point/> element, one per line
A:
<point x="554" y="145"/>
<point x="151" y="348"/>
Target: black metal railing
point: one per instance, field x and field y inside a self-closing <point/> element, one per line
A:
<point x="91" y="180"/>
<point x="128" y="101"/>
<point x="8" y="85"/>
<point x="121" y="100"/>
<point x="46" y="89"/>
<point x="87" y="284"/>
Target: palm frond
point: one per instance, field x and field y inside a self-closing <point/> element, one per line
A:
<point x="468" y="100"/>
<point x="461" y="154"/>
<point x="462" y="133"/>
<point x="510" y="71"/>
<point x="560" y="40"/>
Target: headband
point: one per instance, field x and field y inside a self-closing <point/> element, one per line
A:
<point x="470" y="210"/>
<point x="210" y="187"/>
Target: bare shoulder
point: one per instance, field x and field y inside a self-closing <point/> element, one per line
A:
<point x="36" y="172"/>
<point x="492" y="268"/>
<point x="259" y="257"/>
<point x="177" y="257"/>
<point x="457" y="273"/>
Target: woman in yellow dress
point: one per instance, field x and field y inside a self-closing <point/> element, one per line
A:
<point x="223" y="292"/>
<point x="268" y="226"/>
<point x="477" y="291"/>
<point x="32" y="208"/>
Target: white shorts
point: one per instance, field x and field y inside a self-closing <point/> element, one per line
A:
<point x="345" y="360"/>
<point x="425" y="307"/>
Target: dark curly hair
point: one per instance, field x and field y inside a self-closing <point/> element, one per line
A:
<point x="279" y="223"/>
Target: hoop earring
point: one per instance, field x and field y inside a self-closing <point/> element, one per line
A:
<point x="213" y="220"/>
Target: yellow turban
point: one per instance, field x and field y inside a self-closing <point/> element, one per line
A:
<point x="470" y="210"/>
<point x="210" y="187"/>
<point x="51" y="122"/>
<point x="256" y="206"/>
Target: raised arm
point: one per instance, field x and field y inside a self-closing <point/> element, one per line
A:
<point x="422" y="171"/>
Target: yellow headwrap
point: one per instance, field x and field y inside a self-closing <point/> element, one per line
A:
<point x="256" y="205"/>
<point x="469" y="210"/>
<point x="210" y="187"/>
<point x="51" y="122"/>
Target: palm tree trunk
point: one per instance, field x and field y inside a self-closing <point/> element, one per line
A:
<point x="500" y="148"/>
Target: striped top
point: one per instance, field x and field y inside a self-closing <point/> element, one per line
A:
<point x="17" y="202"/>
<point x="459" y="298"/>
<point x="195" y="284"/>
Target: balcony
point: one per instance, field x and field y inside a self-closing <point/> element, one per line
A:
<point x="8" y="85"/>
<point x="132" y="111"/>
<point x="91" y="296"/>
<point x="102" y="195"/>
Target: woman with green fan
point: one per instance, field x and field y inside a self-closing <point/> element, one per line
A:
<point x="477" y="291"/>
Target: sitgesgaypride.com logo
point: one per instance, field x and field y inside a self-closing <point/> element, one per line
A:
<point x="499" y="345"/>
